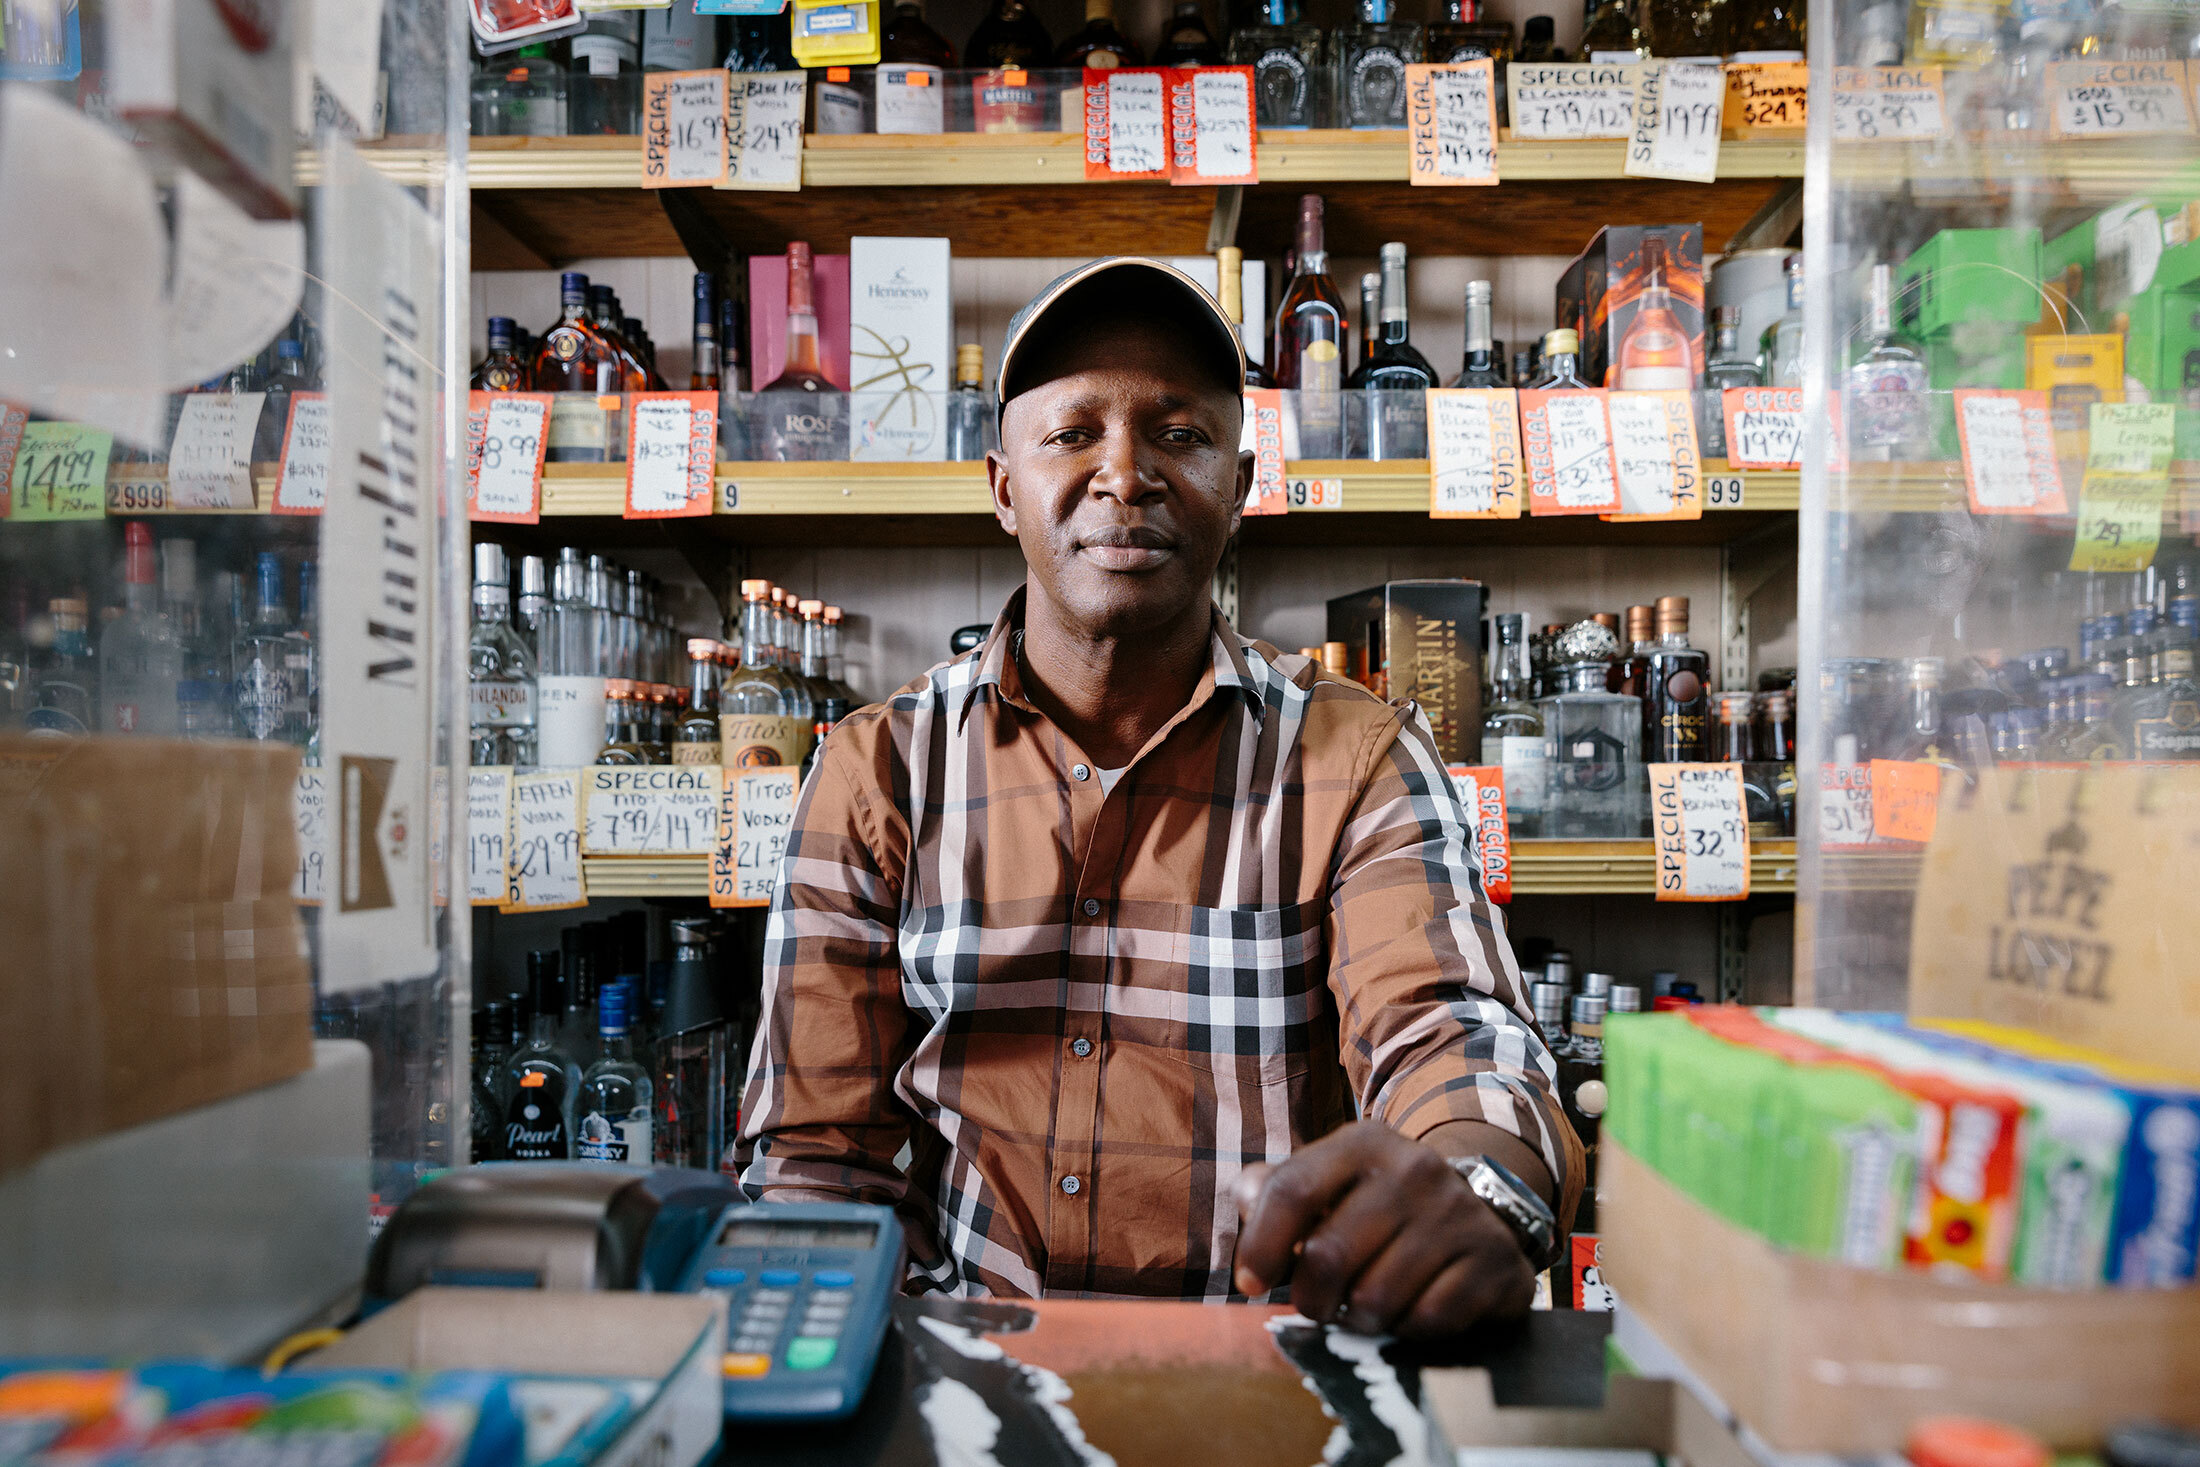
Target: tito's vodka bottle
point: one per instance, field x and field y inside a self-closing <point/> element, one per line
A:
<point x="800" y="415"/>
<point x="761" y="712"/>
<point x="569" y="685"/>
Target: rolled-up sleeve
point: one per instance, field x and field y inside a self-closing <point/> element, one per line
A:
<point x="1433" y="1018"/>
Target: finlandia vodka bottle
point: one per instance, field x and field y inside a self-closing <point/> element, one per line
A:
<point x="262" y="660"/>
<point x="501" y="669"/>
<point x="615" y="1104"/>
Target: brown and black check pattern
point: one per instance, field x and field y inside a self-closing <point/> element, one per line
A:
<point x="1052" y="1022"/>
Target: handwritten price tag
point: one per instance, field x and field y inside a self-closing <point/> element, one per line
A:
<point x="1559" y="103"/>
<point x="545" y="850"/>
<point x="1451" y="122"/>
<point x="309" y="817"/>
<point x="764" y="129"/>
<point x="1482" y="790"/>
<point x="668" y="810"/>
<point x="1764" y="427"/>
<point x="1678" y="107"/>
<point x="1701" y="828"/>
<point x="488" y="836"/>
<point x="1126" y="124"/>
<point x="60" y="473"/>
<point x="1567" y="440"/>
<point x="1654" y="454"/>
<point x="302" y="485"/>
<point x="1264" y="437"/>
<point x="1767" y="99"/>
<point x="1211" y="125"/>
<point x="1845" y="807"/>
<point x="1894" y="104"/>
<point x="1905" y="799"/>
<point x="12" y="421"/>
<point x="2126" y="480"/>
<point x="684" y="128"/>
<point x="2092" y="99"/>
<point x="755" y="819"/>
<point x="1474" y="453"/>
<point x="671" y="454"/>
<point x="210" y="458"/>
<point x="2009" y="452"/>
<point x="506" y="440"/>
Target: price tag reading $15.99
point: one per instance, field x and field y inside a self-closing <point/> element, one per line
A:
<point x="1701" y="826"/>
<point x="671" y="454"/>
<point x="2128" y="99"/>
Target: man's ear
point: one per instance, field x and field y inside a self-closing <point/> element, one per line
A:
<point x="996" y="483"/>
<point x="1245" y="473"/>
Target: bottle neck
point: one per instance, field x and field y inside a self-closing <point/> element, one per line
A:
<point x="757" y="648"/>
<point x="802" y="349"/>
<point x="1880" y="304"/>
<point x="813" y="649"/>
<point x="702" y="685"/>
<point x="1392" y="309"/>
<point x="1480" y="333"/>
<point x="616" y="1044"/>
<point x="491" y="604"/>
<point x="542" y="1030"/>
<point x="574" y="308"/>
<point x="1795" y="293"/>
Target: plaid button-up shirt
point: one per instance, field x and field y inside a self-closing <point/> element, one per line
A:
<point x="1051" y="1022"/>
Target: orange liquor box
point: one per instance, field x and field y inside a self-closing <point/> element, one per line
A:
<point x="1603" y="292"/>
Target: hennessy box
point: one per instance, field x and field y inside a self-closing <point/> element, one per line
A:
<point x="901" y="346"/>
<point x="1421" y="640"/>
<point x="1601" y="291"/>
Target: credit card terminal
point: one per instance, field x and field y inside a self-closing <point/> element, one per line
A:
<point x="808" y="1289"/>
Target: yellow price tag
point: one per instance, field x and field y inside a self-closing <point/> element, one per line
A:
<point x="60" y="473"/>
<point x="2119" y="521"/>
<point x="2131" y="437"/>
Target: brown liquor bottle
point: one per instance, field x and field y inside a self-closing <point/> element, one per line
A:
<point x="1631" y="672"/>
<point x="1676" y="705"/>
<point x="1099" y="46"/>
<point x="1310" y="340"/>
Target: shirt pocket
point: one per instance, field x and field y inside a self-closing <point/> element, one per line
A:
<point x="1254" y="984"/>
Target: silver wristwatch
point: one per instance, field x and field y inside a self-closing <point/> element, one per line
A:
<point x="1528" y="1215"/>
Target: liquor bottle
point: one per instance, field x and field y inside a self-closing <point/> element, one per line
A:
<point x="1371" y="304"/>
<point x="1728" y="365"/>
<point x="616" y="1097"/>
<point x="908" y="39"/>
<point x="800" y="416"/>
<point x="1780" y="349"/>
<point x="522" y="95"/>
<point x="1395" y="376"/>
<point x="603" y="309"/>
<point x="1462" y="34"/>
<point x="531" y="608"/>
<point x="967" y="410"/>
<point x="140" y="655"/>
<point x="1733" y="740"/>
<point x="1886" y="382"/>
<point x="1921" y="737"/>
<point x="1185" y="39"/>
<point x="302" y="659"/>
<point x="1537" y="36"/>
<point x="836" y="662"/>
<point x="2095" y="738"/>
<point x="1561" y="362"/>
<point x="1285" y="54"/>
<point x="695" y="741"/>
<point x="573" y="356"/>
<point x="621" y="741"/>
<point x="1582" y="1092"/>
<point x="1631" y="673"/>
<point x="604" y="93"/>
<point x="761" y="717"/>
<point x="637" y="336"/>
<point x="1484" y="363"/>
<point x="569" y="682"/>
<point x="1308" y="340"/>
<point x="1010" y="36"/>
<point x="586" y="960"/>
<point x="501" y="370"/>
<point x="285" y="380"/>
<point x="1593" y="740"/>
<point x="811" y="669"/>
<point x="1230" y="295"/>
<point x="1368" y="61"/>
<point x="1965" y="33"/>
<point x="541" y="1080"/>
<point x="787" y="648"/>
<point x="66" y="684"/>
<point x="1549" y="1000"/>
<point x="493" y="1043"/>
<point x="676" y="38"/>
<point x="1655" y="354"/>
<point x="703" y="370"/>
<point x="1099" y="46"/>
<point x="630" y="602"/>
<point x="1676" y="700"/>
<point x="202" y="692"/>
<point x="1609" y="33"/>
<point x="1512" y="729"/>
<point x="1694" y="29"/>
<point x="2160" y="719"/>
<point x="693" y="1099"/>
<point x="262" y="677"/>
<point x="1765" y="30"/>
<point x="762" y="43"/>
<point x="500" y="669"/>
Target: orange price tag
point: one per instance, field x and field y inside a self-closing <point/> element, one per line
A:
<point x="1451" y="123"/>
<point x="1567" y="440"/>
<point x="918" y="79"/>
<point x="836" y="73"/>
<point x="755" y="817"/>
<point x="1473" y="453"/>
<point x="1264" y="436"/>
<point x="1482" y="790"/>
<point x="1905" y="799"/>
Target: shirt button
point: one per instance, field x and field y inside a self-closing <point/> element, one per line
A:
<point x="1081" y="1047"/>
<point x="1070" y="1185"/>
<point x="1092" y="907"/>
<point x="1080" y="771"/>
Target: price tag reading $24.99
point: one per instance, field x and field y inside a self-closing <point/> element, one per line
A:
<point x="1701" y="830"/>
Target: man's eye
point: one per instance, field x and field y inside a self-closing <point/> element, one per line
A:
<point x="1184" y="435"/>
<point x="1072" y="438"/>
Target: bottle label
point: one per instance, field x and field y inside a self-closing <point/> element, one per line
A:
<point x="911" y="99"/>
<point x="761" y="740"/>
<point x="600" y="1138"/>
<point x="569" y="712"/>
<point x="502" y="705"/>
<point x="1375" y="90"/>
<point x="699" y="752"/>
<point x="1281" y="87"/>
<point x="534" y="1123"/>
<point x="575" y="422"/>
<point x="263" y="697"/>
<point x="2176" y="735"/>
<point x="1526" y="765"/>
<point x="839" y="109"/>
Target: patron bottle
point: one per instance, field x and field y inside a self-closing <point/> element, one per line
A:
<point x="762" y="715"/>
<point x="1655" y="354"/>
<point x="1484" y="364"/>
<point x="1677" y="698"/>
<point x="1395" y="377"/>
<point x="569" y="677"/>
<point x="800" y="416"/>
<point x="1512" y="729"/>
<point x="1308" y="353"/>
<point x="1368" y="61"/>
<point x="1285" y="54"/>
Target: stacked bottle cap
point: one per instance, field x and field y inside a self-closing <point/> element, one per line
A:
<point x="1550" y="1007"/>
<point x="1625" y="998"/>
<point x="1598" y="985"/>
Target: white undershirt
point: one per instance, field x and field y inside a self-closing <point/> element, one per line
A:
<point x="1108" y="777"/>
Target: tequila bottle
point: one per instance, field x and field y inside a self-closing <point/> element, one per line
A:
<point x="693" y="1100"/>
<point x="260" y="660"/>
<point x="1484" y="364"/>
<point x="800" y="416"/>
<point x="569" y="682"/>
<point x="140" y="655"/>
<point x="541" y="1080"/>
<point x="500" y="669"/>
<point x="968" y="414"/>
<point x="1729" y="365"/>
<point x="616" y="1097"/>
<point x="763" y="719"/>
<point x="1886" y="383"/>
<point x="1285" y="54"/>
<point x="1462" y="34"/>
<point x="1395" y="376"/>
<point x="1368" y="60"/>
<point x="1513" y="730"/>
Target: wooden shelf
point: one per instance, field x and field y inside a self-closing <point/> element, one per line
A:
<point x="1540" y="868"/>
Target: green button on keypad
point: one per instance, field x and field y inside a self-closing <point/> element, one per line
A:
<point x="811" y="1354"/>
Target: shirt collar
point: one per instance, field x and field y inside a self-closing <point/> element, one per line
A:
<point x="998" y="667"/>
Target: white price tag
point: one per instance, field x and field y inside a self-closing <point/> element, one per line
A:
<point x="1474" y="453"/>
<point x="508" y="482"/>
<point x="1137" y="123"/>
<point x="210" y="458"/>
<point x="1211" y="125"/>
<point x="665" y="810"/>
<point x="309" y="813"/>
<point x="755" y="819"/>
<point x="1893" y="104"/>
<point x="1654" y="455"/>
<point x="1764" y="427"/>
<point x="302" y="486"/>
<point x="912" y="100"/>
<point x="657" y="461"/>
<point x="545" y="850"/>
<point x="1581" y="449"/>
<point x="2092" y="99"/>
<point x="1315" y="493"/>
<point x="488" y="835"/>
<point x="684" y="128"/>
<point x="764" y="130"/>
<point x="1678" y="109"/>
<point x="2008" y="442"/>
<point x="1701" y="828"/>
<point x="1451" y="123"/>
<point x="1563" y="103"/>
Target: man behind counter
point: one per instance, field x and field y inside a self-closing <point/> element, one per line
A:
<point x="1118" y="921"/>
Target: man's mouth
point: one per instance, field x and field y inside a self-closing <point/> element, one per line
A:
<point x="1126" y="547"/>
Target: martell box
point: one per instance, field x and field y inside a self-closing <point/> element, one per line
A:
<point x="1421" y="640"/>
<point x="1603" y="292"/>
<point x="901" y="347"/>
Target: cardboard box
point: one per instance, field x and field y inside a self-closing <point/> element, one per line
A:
<point x="155" y="960"/>
<point x="768" y="317"/>
<point x="1818" y="1357"/>
<point x="675" y="1340"/>
<point x="1638" y="1415"/>
<point x="1602" y="287"/>
<point x="1421" y="640"/>
<point x="209" y="83"/>
<point x="901" y="347"/>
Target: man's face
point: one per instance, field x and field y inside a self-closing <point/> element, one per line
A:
<point x="1120" y="476"/>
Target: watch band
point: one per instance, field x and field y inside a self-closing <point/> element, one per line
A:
<point x="1513" y="1200"/>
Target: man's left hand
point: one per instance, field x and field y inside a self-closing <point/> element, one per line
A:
<point x="1388" y="1238"/>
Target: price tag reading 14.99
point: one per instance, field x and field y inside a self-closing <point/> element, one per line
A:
<point x="60" y="473"/>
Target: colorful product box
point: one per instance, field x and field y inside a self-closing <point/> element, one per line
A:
<point x="768" y="317"/>
<point x="901" y="347"/>
<point x="1602" y="292"/>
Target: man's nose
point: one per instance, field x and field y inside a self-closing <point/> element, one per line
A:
<point x="1124" y="473"/>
